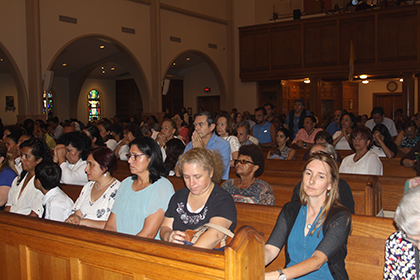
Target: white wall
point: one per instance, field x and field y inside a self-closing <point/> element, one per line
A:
<point x="106" y="89"/>
<point x="196" y="78"/>
<point x="8" y="88"/>
<point x="366" y="94"/>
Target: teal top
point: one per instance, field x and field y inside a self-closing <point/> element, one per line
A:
<point x="132" y="208"/>
<point x="307" y="246"/>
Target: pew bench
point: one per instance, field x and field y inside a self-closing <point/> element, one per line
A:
<point x="32" y="248"/>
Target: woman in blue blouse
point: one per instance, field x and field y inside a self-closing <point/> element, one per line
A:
<point x="7" y="174"/>
<point x="314" y="229"/>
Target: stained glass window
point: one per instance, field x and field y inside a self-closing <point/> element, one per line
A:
<point x="94" y="105"/>
<point x="48" y="103"/>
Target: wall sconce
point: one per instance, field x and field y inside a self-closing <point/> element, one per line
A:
<point x="364" y="76"/>
<point x="306" y="80"/>
<point x="365" y="82"/>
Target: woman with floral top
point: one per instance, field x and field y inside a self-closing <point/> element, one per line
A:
<point x="247" y="188"/>
<point x="402" y="247"/>
<point x="97" y="197"/>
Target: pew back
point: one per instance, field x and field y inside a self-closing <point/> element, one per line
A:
<point x="37" y="249"/>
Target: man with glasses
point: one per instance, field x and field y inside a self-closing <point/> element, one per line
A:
<point x="204" y="137"/>
<point x="402" y="247"/>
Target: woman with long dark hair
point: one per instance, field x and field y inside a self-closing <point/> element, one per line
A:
<point x="142" y="198"/>
<point x="23" y="197"/>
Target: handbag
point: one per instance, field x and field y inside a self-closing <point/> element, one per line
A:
<point x="193" y="235"/>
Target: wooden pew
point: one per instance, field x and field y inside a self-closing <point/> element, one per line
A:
<point x="32" y="248"/>
<point x="366" y="244"/>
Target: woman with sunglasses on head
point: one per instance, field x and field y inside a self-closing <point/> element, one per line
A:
<point x="363" y="161"/>
<point x="313" y="230"/>
<point x="143" y="198"/>
<point x="201" y="202"/>
<point x="402" y="247"/>
<point x="283" y="150"/>
<point x="97" y="197"/>
<point x="247" y="188"/>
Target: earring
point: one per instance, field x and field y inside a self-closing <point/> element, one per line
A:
<point x="104" y="174"/>
<point x="328" y="193"/>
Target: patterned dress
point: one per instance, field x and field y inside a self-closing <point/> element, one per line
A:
<point x="400" y="262"/>
<point x="259" y="192"/>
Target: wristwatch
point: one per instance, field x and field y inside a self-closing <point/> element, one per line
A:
<point x="281" y="276"/>
<point x="304" y="144"/>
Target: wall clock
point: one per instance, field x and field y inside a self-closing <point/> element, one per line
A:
<point x="392" y="86"/>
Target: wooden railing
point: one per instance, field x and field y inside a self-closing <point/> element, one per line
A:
<point x="386" y="42"/>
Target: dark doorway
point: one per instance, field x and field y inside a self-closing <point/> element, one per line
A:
<point x="127" y="99"/>
<point x="173" y="101"/>
<point x="209" y="103"/>
<point x="389" y="101"/>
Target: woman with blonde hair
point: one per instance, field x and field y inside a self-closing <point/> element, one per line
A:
<point x="314" y="229"/>
<point x="201" y="202"/>
<point x="7" y="173"/>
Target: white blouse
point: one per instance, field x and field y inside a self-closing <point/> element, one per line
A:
<point x="369" y="164"/>
<point x="74" y="174"/>
<point x="343" y="144"/>
<point x="29" y="200"/>
<point x="234" y="144"/>
<point x="100" y="209"/>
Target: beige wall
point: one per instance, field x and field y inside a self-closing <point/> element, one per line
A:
<point x="7" y="88"/>
<point x="196" y="79"/>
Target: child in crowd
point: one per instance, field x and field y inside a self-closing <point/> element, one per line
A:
<point x="57" y="205"/>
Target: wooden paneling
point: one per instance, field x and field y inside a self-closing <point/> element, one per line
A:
<point x="320" y="44"/>
<point x="386" y="42"/>
<point x="397" y="36"/>
<point x="361" y="30"/>
<point x="254" y="45"/>
<point x="286" y="40"/>
<point x="351" y="97"/>
<point x="127" y="99"/>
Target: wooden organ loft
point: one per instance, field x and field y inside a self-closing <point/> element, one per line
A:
<point x="279" y="55"/>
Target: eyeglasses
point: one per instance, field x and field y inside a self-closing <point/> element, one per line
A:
<point x="242" y="161"/>
<point x="415" y="242"/>
<point x="133" y="157"/>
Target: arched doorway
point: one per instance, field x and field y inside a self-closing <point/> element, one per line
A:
<point x="195" y="81"/>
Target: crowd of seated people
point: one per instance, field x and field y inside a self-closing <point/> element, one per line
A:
<point x="36" y="157"/>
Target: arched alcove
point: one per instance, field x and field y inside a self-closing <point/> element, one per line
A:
<point x="85" y="56"/>
<point x="197" y="71"/>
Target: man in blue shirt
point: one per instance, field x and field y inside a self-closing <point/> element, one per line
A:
<point x="335" y="125"/>
<point x="264" y="131"/>
<point x="204" y="137"/>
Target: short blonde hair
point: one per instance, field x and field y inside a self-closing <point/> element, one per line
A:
<point x="211" y="161"/>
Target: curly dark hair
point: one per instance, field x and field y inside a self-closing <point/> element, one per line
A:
<point x="78" y="140"/>
<point x="257" y="157"/>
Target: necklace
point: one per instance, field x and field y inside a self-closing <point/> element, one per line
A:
<point x="107" y="184"/>
<point x="241" y="191"/>
<point x="309" y="226"/>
